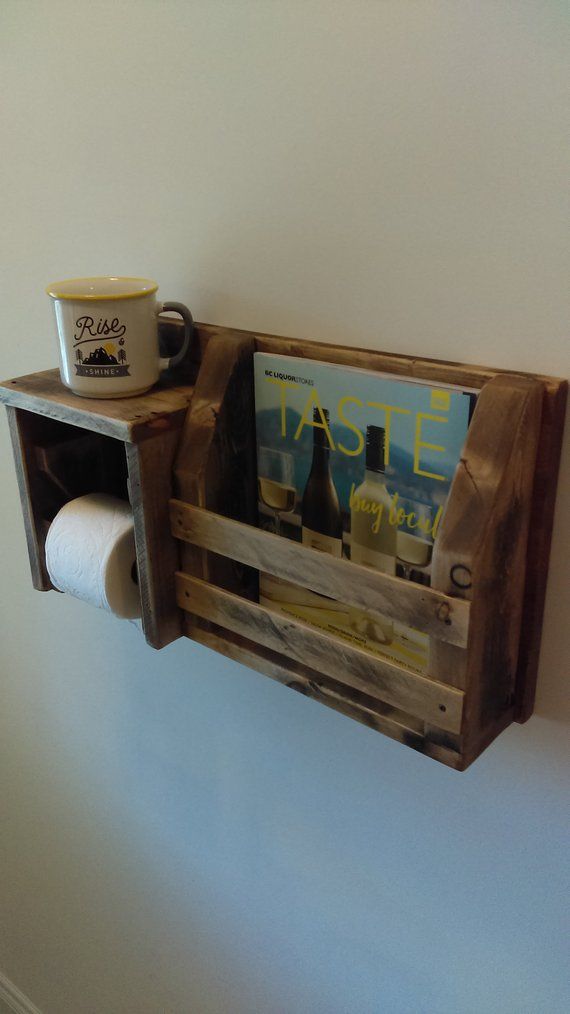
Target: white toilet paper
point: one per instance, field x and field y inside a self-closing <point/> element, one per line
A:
<point x="90" y="553"/>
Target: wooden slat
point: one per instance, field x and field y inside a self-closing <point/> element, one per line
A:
<point x="347" y="701"/>
<point x="128" y="419"/>
<point x="429" y="611"/>
<point x="388" y="681"/>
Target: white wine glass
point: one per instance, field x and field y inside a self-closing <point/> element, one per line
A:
<point x="413" y="548"/>
<point x="276" y="482"/>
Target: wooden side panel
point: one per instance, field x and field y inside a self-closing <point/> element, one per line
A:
<point x="538" y="551"/>
<point x="480" y="552"/>
<point x="30" y="487"/>
<point x="216" y="463"/>
<point x="150" y="466"/>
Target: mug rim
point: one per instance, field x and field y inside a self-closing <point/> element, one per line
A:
<point x="135" y="288"/>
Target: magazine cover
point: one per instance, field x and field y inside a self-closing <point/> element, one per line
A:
<point x="357" y="464"/>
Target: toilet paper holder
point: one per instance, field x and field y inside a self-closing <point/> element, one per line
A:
<point x="65" y="446"/>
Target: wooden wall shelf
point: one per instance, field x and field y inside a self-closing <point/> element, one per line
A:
<point x="185" y="456"/>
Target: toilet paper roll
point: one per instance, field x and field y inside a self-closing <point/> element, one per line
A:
<point x="90" y="553"/>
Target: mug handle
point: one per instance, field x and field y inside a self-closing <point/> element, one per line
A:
<point x="166" y="364"/>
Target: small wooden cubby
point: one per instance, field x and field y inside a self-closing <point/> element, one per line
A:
<point x="65" y="446"/>
<point x="185" y="457"/>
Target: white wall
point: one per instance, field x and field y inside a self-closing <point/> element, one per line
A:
<point x="178" y="833"/>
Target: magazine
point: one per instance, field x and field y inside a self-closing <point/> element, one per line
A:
<point x="357" y="464"/>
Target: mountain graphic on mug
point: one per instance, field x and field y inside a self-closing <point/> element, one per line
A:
<point x="102" y="356"/>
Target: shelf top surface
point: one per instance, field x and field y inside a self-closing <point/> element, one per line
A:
<point x="128" y="419"/>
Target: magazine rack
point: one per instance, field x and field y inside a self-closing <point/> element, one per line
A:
<point x="189" y="452"/>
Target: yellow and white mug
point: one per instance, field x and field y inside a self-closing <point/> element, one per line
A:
<point x="108" y="335"/>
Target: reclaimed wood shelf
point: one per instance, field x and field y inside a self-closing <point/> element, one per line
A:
<point x="186" y="458"/>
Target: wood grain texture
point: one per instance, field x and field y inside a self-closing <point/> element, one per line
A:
<point x="216" y="463"/>
<point x="150" y="467"/>
<point x="428" y="611"/>
<point x="418" y="367"/>
<point x="324" y="690"/>
<point x="128" y="419"/>
<point x="29" y="486"/>
<point x="538" y="548"/>
<point x="480" y="552"/>
<point x="388" y="681"/>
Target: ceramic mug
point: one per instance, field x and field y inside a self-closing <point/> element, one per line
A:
<point x="108" y="335"/>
